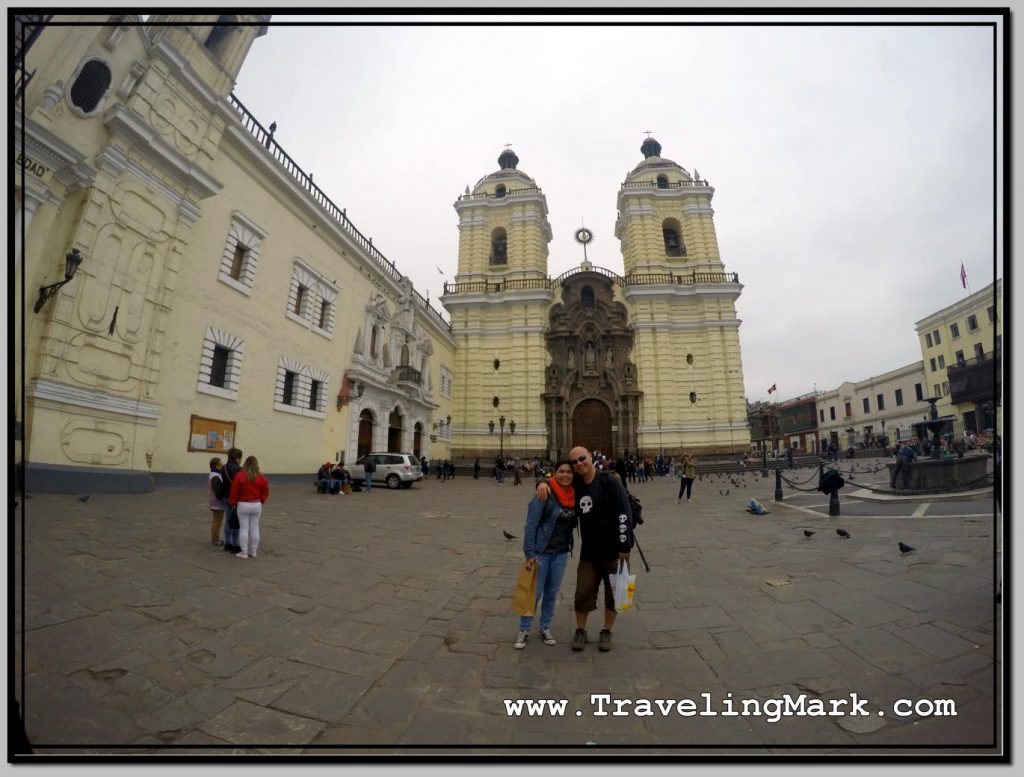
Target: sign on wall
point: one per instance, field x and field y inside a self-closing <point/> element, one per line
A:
<point x="209" y="435"/>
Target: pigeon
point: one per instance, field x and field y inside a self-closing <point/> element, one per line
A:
<point x="843" y="533"/>
<point x="809" y="533"/>
<point x="84" y="498"/>
<point x="905" y="549"/>
<point x="507" y="535"/>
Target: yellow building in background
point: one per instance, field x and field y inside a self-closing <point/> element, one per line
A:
<point x="189" y="288"/>
<point x="221" y="298"/>
<point x="962" y="348"/>
<point x="646" y="360"/>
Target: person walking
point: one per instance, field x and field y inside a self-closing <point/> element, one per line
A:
<point x="231" y="525"/>
<point x="476" y="469"/>
<point x="216" y="493"/>
<point x="249" y="491"/>
<point x="606" y="530"/>
<point x="547" y="542"/>
<point x="688" y="476"/>
<point x="369" y="467"/>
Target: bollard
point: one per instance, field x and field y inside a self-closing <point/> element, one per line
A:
<point x="821" y="470"/>
<point x="833" y="502"/>
<point x="778" y="484"/>
<point x="764" y="462"/>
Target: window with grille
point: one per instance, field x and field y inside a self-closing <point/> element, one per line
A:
<point x="899" y="397"/>
<point x="880" y="400"/>
<point x="238" y="261"/>
<point x="919" y="391"/>
<point x="867" y="405"/>
<point x="314" y="395"/>
<point x="219" y="367"/>
<point x="300" y="298"/>
<point x="928" y="339"/>
<point x="972" y="323"/>
<point x="241" y="254"/>
<point x="92" y="83"/>
<point x="289" y="388"/>
<point x="325" y="308"/>
<point x="954" y="330"/>
<point x="936" y="337"/>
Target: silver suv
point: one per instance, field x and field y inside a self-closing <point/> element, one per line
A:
<point x="395" y="470"/>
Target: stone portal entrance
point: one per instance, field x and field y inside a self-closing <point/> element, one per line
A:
<point x="592" y="426"/>
<point x="591" y="397"/>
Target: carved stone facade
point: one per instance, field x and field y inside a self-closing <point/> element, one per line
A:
<point x="589" y="342"/>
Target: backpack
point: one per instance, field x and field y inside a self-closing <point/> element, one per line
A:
<point x="634" y="504"/>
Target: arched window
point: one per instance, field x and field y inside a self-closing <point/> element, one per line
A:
<point x="662" y="182"/>
<point x="499" y="246"/>
<point x="673" y="242"/>
<point x="587" y="297"/>
<point x="500" y="191"/>
<point x="90" y="86"/>
<point x="404" y="357"/>
<point x="220" y="35"/>
<point x="373" y="342"/>
<point x="395" y="423"/>
<point x="365" y="444"/>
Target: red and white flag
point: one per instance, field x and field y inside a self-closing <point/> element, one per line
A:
<point x="771" y="389"/>
<point x="963" y="275"/>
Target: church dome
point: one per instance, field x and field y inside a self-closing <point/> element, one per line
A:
<point x="508" y="160"/>
<point x="650" y="147"/>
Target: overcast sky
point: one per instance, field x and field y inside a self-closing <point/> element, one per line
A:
<point x="852" y="166"/>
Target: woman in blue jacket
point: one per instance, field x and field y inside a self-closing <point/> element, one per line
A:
<point x="547" y="542"/>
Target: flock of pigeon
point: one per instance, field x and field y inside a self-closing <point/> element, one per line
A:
<point x="845" y="535"/>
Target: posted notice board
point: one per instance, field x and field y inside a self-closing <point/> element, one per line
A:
<point x="210" y="435"/>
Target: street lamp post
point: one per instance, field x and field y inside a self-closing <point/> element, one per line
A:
<point x="501" y="433"/>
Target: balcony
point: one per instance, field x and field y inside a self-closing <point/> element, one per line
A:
<point x="975" y="380"/>
<point x="407" y="375"/>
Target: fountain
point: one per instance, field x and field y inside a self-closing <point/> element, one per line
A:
<point x="937" y="473"/>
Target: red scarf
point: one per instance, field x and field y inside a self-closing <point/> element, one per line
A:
<point x="566" y="495"/>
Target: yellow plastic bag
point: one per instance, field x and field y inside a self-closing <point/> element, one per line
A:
<point x="624" y="586"/>
<point x="524" y="602"/>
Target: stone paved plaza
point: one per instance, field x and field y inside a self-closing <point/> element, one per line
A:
<point x="378" y="622"/>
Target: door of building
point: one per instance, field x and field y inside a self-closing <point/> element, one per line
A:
<point x="592" y="426"/>
<point x="395" y="432"/>
<point x="365" y="444"/>
<point x="416" y="439"/>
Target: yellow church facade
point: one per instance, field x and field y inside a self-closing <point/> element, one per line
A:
<point x="642" y="361"/>
<point x="220" y="298"/>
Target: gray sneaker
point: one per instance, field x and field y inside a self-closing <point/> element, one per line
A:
<point x="579" y="639"/>
<point x="548" y="637"/>
<point x="604" y="643"/>
<point x="520" y="642"/>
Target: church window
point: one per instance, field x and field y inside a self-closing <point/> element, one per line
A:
<point x="220" y="36"/>
<point x="373" y="342"/>
<point x="404" y="357"/>
<point x="662" y="182"/>
<point x="587" y="297"/>
<point x="500" y="191"/>
<point x="670" y="232"/>
<point x="499" y="247"/>
<point x="241" y="253"/>
<point x="220" y="365"/>
<point x="91" y="85"/>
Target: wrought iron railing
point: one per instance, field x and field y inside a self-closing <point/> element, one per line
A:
<point x="633" y="279"/>
<point x="977" y="361"/>
<point x="305" y="180"/>
<point x="27" y="28"/>
<point x="663" y="185"/>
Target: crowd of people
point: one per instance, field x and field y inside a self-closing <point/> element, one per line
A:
<point x="239" y="491"/>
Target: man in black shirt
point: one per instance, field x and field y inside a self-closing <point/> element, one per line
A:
<point x="606" y="529"/>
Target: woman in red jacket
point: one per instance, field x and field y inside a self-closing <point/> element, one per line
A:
<point x="249" y="490"/>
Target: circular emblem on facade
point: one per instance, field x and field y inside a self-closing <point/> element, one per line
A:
<point x="584" y="235"/>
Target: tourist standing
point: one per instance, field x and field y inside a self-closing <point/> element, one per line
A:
<point x="689" y="474"/>
<point x="231" y="525"/>
<point x="249" y="491"/>
<point x="903" y="459"/>
<point x="547" y="542"/>
<point x="216" y="493"/>
<point x="369" y="467"/>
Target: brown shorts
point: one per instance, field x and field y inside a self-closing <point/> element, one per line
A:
<point x="589" y="574"/>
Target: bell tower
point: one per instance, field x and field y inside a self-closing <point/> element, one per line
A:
<point x="503" y="226"/>
<point x="683" y="305"/>
<point x="498" y="306"/>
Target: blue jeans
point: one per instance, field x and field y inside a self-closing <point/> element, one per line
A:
<point x="550" y="569"/>
<point x="230" y="535"/>
<point x="369" y="477"/>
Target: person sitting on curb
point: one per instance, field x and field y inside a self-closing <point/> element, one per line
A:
<point x="326" y="484"/>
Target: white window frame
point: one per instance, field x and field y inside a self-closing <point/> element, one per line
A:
<point x="232" y="377"/>
<point x="446" y="382"/>
<point x="318" y="291"/>
<point x="245" y="233"/>
<point x="301" y="389"/>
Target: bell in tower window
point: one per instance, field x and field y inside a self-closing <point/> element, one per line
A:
<point x="499" y="247"/>
<point x="673" y="245"/>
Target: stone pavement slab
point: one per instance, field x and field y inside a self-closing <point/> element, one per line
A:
<point x="382" y="621"/>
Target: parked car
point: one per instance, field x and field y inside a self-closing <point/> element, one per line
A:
<point x="395" y="470"/>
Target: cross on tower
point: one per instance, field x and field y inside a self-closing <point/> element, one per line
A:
<point x="508" y="145"/>
<point x="647" y="133"/>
